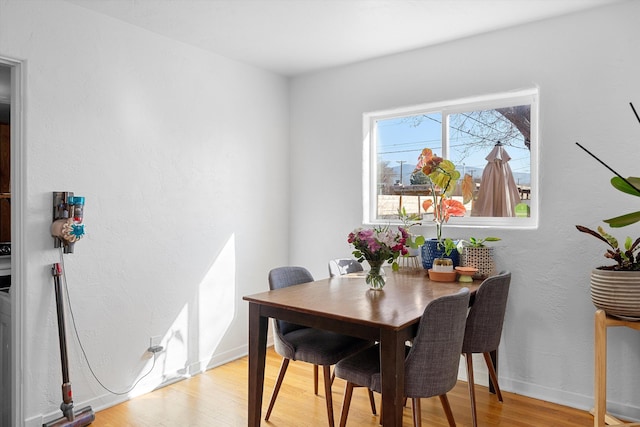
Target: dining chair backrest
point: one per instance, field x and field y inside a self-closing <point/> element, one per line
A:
<point x="340" y="266"/>
<point x="486" y="316"/>
<point x="283" y="277"/>
<point x="431" y="366"/>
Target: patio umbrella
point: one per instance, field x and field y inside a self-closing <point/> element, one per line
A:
<point x="498" y="194"/>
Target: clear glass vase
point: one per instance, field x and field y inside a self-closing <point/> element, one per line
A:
<point x="376" y="277"/>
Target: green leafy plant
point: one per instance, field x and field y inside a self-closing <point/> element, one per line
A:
<point x="408" y="221"/>
<point x="477" y="243"/>
<point x="630" y="185"/>
<point x="447" y="246"/>
<point x="443" y="178"/>
<point x="626" y="259"/>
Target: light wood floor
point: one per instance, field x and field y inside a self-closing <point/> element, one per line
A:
<point x="218" y="398"/>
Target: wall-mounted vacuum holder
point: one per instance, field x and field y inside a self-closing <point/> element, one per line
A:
<point x="67" y="227"/>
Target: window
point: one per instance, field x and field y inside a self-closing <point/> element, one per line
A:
<point x="467" y="132"/>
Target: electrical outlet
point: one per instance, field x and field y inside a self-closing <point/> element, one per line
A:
<point x="155" y="341"/>
<point x="154" y="344"/>
<point x="155" y="349"/>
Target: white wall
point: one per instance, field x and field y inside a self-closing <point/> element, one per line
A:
<point x="588" y="70"/>
<point x="183" y="159"/>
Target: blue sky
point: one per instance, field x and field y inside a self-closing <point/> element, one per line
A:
<point x="403" y="140"/>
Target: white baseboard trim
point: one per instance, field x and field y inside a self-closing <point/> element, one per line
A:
<point x="108" y="400"/>
<point x="567" y="398"/>
<point x="560" y="397"/>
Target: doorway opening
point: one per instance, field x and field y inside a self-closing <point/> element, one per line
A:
<point x="11" y="289"/>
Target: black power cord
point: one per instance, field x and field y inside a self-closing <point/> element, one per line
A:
<point x="84" y="354"/>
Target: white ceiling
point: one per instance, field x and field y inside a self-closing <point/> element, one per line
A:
<point x="292" y="37"/>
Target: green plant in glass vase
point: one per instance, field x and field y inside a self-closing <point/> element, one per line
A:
<point x="410" y="220"/>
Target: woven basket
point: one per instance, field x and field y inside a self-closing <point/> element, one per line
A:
<point x="480" y="258"/>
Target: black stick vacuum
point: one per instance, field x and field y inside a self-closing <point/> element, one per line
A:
<point x="84" y="416"/>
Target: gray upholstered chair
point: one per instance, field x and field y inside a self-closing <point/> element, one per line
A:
<point x="340" y="266"/>
<point x="315" y="346"/>
<point x="431" y="365"/>
<point x="484" y="328"/>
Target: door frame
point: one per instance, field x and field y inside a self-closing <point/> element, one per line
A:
<point x="18" y="183"/>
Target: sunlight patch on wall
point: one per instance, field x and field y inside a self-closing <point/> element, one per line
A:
<point x="217" y="300"/>
<point x="192" y="339"/>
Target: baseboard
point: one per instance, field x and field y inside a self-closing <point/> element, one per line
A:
<point x="567" y="398"/>
<point x="38" y="420"/>
<point x="108" y="400"/>
<point x="481" y="377"/>
<point x="220" y="359"/>
<point x="560" y="397"/>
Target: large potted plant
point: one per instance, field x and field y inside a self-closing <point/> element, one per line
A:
<point x="615" y="288"/>
<point x="442" y="179"/>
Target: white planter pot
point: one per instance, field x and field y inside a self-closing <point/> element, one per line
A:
<point x="444" y="265"/>
<point x="616" y="292"/>
<point x="414" y="251"/>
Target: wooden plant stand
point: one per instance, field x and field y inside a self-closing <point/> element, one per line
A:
<point x="602" y="322"/>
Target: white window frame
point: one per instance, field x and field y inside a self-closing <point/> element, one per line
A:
<point x="505" y="99"/>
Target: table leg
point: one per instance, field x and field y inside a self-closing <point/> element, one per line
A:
<point x="257" y="355"/>
<point x="600" y="377"/>
<point x="392" y="371"/>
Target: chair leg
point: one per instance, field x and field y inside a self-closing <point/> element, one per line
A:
<point x="372" y="401"/>
<point x="327" y="393"/>
<point x="276" y="389"/>
<point x="472" y="393"/>
<point x="492" y="375"/>
<point x="447" y="410"/>
<point x="417" y="412"/>
<point x="346" y="403"/>
<point x="315" y="379"/>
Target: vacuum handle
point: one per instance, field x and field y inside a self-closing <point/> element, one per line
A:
<point x="56" y="271"/>
<point x="70" y="418"/>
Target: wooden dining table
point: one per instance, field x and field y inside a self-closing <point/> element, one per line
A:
<point x="346" y="305"/>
